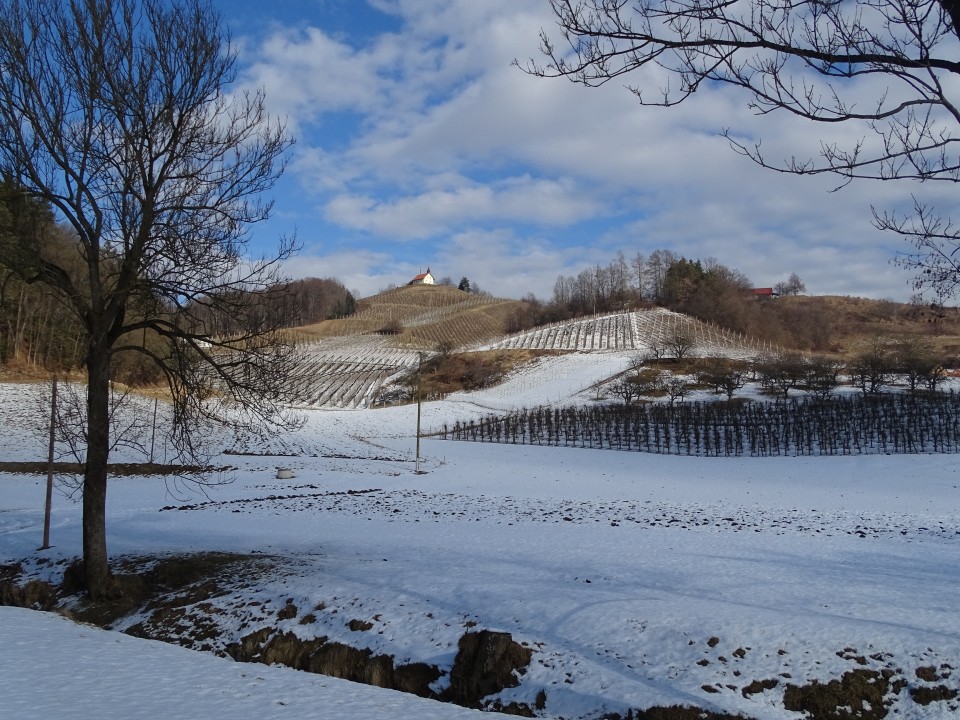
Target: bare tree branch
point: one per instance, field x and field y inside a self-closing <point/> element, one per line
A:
<point x="889" y="66"/>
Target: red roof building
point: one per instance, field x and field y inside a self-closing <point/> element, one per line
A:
<point x="423" y="279"/>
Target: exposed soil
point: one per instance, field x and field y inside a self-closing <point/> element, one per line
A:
<point x="318" y="655"/>
<point x="859" y="693"/>
<point x="470" y="370"/>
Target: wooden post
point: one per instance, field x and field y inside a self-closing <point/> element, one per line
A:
<point x="48" y="505"/>
<point x="419" y="403"/>
<point x="153" y="435"/>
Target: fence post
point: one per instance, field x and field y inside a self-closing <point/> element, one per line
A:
<point x="48" y="504"/>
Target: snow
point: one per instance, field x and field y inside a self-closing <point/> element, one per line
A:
<point x="52" y="668"/>
<point x="617" y="568"/>
<point x="638" y="330"/>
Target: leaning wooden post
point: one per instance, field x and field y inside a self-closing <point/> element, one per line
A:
<point x="48" y="505"/>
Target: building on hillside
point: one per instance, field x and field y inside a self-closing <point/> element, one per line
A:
<point x="762" y="292"/>
<point x="423" y="279"/>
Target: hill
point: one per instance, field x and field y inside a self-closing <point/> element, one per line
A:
<point x="847" y="323"/>
<point x="644" y="331"/>
<point x="351" y="362"/>
<point x="422" y="317"/>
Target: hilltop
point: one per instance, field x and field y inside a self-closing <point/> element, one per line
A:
<point x="422" y="317"/>
<point x="427" y="316"/>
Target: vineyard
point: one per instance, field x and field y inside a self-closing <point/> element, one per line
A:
<point x="851" y="425"/>
<point x="641" y="331"/>
<point x="347" y="372"/>
<point x="350" y="361"/>
<point x="423" y="317"/>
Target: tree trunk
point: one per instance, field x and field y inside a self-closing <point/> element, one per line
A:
<point x="95" y="563"/>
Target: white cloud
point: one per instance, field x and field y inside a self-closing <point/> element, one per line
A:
<point x="362" y="272"/>
<point x="449" y="142"/>
<point x="435" y="211"/>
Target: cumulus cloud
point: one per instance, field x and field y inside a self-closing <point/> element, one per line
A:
<point x="437" y="211"/>
<point x="424" y="144"/>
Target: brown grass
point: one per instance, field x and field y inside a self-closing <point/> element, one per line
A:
<point x="855" y="322"/>
<point x="426" y="315"/>
<point x="471" y="370"/>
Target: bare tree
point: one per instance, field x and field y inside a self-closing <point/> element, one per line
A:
<point x="627" y="389"/>
<point x="886" y="66"/>
<point x="680" y="341"/>
<point x="676" y="388"/>
<point x="723" y="375"/>
<point x="115" y="113"/>
<point x="782" y="371"/>
<point x="649" y="382"/>
<point x="656" y="350"/>
<point x="445" y="347"/>
<point x="822" y="376"/>
<point x="637" y="363"/>
<point x="791" y="286"/>
<point x="919" y="364"/>
<point x="872" y="366"/>
<point x="657" y="265"/>
<point x="639" y="266"/>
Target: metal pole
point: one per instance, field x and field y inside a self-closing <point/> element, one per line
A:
<point x="48" y="505"/>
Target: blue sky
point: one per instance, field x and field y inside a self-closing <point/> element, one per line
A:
<point x="419" y="144"/>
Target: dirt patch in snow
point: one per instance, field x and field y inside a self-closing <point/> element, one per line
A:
<point x="860" y="693"/>
<point x="318" y="655"/>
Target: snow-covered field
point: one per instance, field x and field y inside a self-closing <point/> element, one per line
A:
<point x="637" y="580"/>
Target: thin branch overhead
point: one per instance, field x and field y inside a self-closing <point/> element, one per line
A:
<point x="888" y="67"/>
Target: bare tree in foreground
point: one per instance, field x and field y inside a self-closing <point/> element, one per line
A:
<point x="887" y="66"/>
<point x="115" y="113"/>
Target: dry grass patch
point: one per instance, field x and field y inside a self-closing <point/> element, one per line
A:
<point x="856" y="321"/>
<point x="422" y="316"/>
<point x="472" y="370"/>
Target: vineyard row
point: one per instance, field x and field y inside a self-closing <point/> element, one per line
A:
<point x="639" y="330"/>
<point x="851" y="425"/>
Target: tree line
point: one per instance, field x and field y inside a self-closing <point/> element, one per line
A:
<point x="38" y="329"/>
<point x="705" y="289"/>
<point x="877" y="366"/>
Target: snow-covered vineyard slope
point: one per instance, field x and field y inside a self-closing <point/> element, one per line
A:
<point x="549" y="380"/>
<point x="638" y="331"/>
<point x="348" y="371"/>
